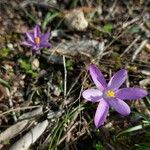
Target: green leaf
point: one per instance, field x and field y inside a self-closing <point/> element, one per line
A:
<point x="135" y="128"/>
<point x="142" y="146"/>
<point x="73" y="3"/>
<point x="49" y="18"/>
<point x="5" y="83"/>
<point x="26" y="66"/>
<point x="6" y="142"/>
<point x="69" y="64"/>
<point x="99" y="146"/>
<point x="4" y="53"/>
<point x="135" y="29"/>
<point x="107" y="28"/>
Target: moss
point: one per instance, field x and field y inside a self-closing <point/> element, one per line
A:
<point x="26" y="66"/>
<point x="118" y="61"/>
<point x="4" y="53"/>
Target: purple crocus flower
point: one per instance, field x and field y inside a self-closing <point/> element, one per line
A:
<point x="109" y="95"/>
<point x="37" y="40"/>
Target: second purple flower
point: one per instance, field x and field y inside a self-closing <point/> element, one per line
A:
<point x="37" y="40"/>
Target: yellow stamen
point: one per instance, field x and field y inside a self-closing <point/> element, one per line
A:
<point x="110" y="93"/>
<point x="37" y="40"/>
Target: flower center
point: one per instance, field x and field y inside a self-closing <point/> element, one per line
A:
<point x="37" y="40"/>
<point x="110" y="93"/>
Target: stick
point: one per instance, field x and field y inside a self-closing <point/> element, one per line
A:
<point x="18" y="109"/>
<point x="138" y="50"/>
<point x="128" y="48"/>
<point x="65" y="76"/>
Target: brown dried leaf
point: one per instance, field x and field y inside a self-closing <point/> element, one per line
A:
<point x="3" y="93"/>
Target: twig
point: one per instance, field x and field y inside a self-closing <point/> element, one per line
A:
<point x="13" y="130"/>
<point x="36" y="112"/>
<point x="40" y="3"/>
<point x="76" y="81"/>
<point x="99" y="56"/>
<point x="11" y="103"/>
<point x="18" y="109"/>
<point x="145" y="72"/>
<point x="127" y="82"/>
<point x="112" y="10"/>
<point x="53" y="50"/>
<point x="49" y="55"/>
<point x="84" y="80"/>
<point x="65" y="76"/>
<point x="126" y="26"/>
<point x="128" y="48"/>
<point x="130" y="22"/>
<point x="65" y="136"/>
<point x="144" y="82"/>
<point x="138" y="50"/>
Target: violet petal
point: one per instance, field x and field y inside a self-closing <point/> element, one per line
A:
<point x="30" y="37"/>
<point x="45" y="44"/>
<point x="37" y="31"/>
<point x="45" y="37"/>
<point x="36" y="47"/>
<point x="131" y="93"/>
<point x="101" y="113"/>
<point x="117" y="80"/>
<point x="27" y="43"/>
<point x="120" y="106"/>
<point x="97" y="77"/>
<point x="92" y="95"/>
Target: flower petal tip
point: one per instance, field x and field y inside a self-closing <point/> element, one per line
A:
<point x="101" y="113"/>
<point x="37" y="31"/>
<point x="126" y="113"/>
<point x="37" y="27"/>
<point x="123" y="72"/>
<point x="131" y="93"/>
<point x="97" y="125"/>
<point x="97" y="77"/>
<point x="92" y="95"/>
<point x="118" y="79"/>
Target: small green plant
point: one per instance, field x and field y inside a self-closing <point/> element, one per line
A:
<point x="59" y="130"/>
<point x="99" y="146"/>
<point x="4" y="53"/>
<point x="26" y="66"/>
<point x="146" y="144"/>
<point x="7" y="142"/>
<point x="107" y="28"/>
<point x="134" y="29"/>
<point x="69" y="64"/>
<point x="49" y="18"/>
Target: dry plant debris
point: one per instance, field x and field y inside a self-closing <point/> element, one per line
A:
<point x="41" y="94"/>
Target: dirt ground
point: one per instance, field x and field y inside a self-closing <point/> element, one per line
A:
<point x="42" y="93"/>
